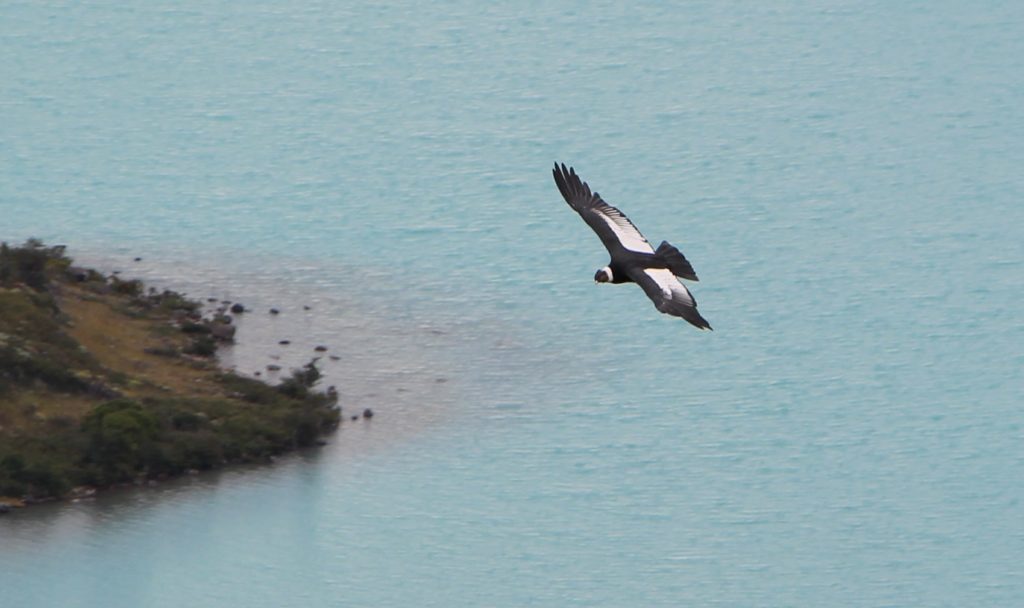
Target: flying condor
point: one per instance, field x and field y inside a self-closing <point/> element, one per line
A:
<point x="633" y="258"/>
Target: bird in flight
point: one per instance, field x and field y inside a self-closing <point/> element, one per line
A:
<point x="633" y="258"/>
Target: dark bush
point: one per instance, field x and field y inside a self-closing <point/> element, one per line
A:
<point x="190" y="327"/>
<point x="307" y="429"/>
<point x="28" y="263"/>
<point x="170" y="301"/>
<point x="121" y="435"/>
<point x="43" y="479"/>
<point x="249" y="389"/>
<point x="195" y="450"/>
<point x="250" y="437"/>
<point x="204" y="346"/>
<point x="22" y="368"/>
<point x="297" y="385"/>
<point x="12" y="464"/>
<point x="186" y="421"/>
<point x="133" y="287"/>
<point x="19" y="477"/>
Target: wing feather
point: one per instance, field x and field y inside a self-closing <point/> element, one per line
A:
<point x="669" y="295"/>
<point x="611" y="225"/>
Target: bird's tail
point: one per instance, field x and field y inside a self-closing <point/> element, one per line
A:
<point x="675" y="261"/>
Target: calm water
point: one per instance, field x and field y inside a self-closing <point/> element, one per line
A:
<point x="846" y="178"/>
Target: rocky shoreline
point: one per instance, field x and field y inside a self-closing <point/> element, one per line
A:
<point x="105" y="382"/>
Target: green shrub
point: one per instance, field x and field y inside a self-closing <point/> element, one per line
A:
<point x="121" y="435"/>
<point x="28" y="263"/>
<point x="298" y="385"/>
<point x="170" y="301"/>
<point x="21" y="367"/>
<point x="190" y="327"/>
<point x="200" y="450"/>
<point x="307" y="429"/>
<point x="129" y="288"/>
<point x="186" y="421"/>
<point x="249" y="389"/>
<point x="21" y="477"/>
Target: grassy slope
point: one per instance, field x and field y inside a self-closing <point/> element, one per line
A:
<point x="95" y="390"/>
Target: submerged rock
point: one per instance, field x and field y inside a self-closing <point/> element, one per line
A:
<point x="237" y="308"/>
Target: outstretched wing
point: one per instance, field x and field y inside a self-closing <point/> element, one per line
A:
<point x="611" y="225"/>
<point x="669" y="295"/>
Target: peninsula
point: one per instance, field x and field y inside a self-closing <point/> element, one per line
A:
<point x="104" y="382"/>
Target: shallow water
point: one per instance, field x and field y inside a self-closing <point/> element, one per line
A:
<point x="845" y="179"/>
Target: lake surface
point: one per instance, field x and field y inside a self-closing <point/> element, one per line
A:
<point x="845" y="177"/>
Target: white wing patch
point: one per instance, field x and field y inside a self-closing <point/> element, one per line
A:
<point x="671" y="288"/>
<point x="624" y="230"/>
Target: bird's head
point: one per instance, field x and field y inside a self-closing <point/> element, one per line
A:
<point x="604" y="275"/>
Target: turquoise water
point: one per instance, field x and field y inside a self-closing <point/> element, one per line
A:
<point x="846" y="179"/>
